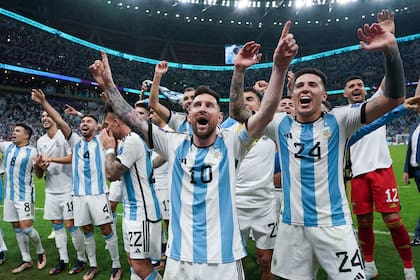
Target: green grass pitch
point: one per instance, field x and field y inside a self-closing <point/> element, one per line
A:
<point x="387" y="259"/>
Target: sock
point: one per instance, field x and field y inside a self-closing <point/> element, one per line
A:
<point x="23" y="243"/>
<point x="78" y="244"/>
<point x="3" y="246"/>
<point x="401" y="241"/>
<point x="61" y="242"/>
<point x="114" y="224"/>
<point x="33" y="235"/>
<point x="367" y="239"/>
<point x="91" y="249"/>
<point x="112" y="243"/>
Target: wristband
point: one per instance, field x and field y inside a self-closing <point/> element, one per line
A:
<point x="110" y="151"/>
<point x="79" y="114"/>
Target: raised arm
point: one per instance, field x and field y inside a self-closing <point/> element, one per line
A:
<point x="247" y="56"/>
<point x="39" y="97"/>
<point x="160" y="69"/>
<point x="102" y="73"/>
<point x="285" y="51"/>
<point x="378" y="37"/>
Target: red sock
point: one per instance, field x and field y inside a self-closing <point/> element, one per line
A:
<point x="366" y="239"/>
<point x="401" y="241"/>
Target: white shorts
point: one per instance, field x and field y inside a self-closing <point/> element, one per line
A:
<point x="58" y="206"/>
<point x="163" y="198"/>
<point x="92" y="209"/>
<point x="15" y="211"/>
<point x="142" y="239"/>
<point x="115" y="191"/>
<point x="175" y="270"/>
<point x="262" y="222"/>
<point x="300" y="250"/>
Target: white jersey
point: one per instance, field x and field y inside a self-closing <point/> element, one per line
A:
<point x="139" y="198"/>
<point x="58" y="178"/>
<point x="371" y="151"/>
<point x="254" y="181"/>
<point x="18" y="165"/>
<point x="160" y="174"/>
<point x="204" y="226"/>
<point x="178" y="122"/>
<point x="311" y="157"/>
<point x="88" y="165"/>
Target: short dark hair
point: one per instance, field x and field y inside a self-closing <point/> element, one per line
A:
<point x="189" y="89"/>
<point x="251" y="89"/>
<point x="314" y="71"/>
<point x="140" y="104"/>
<point x="27" y="129"/>
<point x="206" y="90"/>
<point x="286" y="97"/>
<point x="90" y="116"/>
<point x="351" y="78"/>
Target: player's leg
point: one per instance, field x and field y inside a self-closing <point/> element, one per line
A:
<point x="3" y="248"/>
<point x="102" y="216"/>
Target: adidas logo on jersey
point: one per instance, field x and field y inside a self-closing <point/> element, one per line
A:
<point x="137" y="251"/>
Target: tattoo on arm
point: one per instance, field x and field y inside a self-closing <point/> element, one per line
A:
<point x="114" y="169"/>
<point x="128" y="114"/>
<point x="394" y="78"/>
<point x="237" y="109"/>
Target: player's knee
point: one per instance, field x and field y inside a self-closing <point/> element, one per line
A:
<point x="393" y="223"/>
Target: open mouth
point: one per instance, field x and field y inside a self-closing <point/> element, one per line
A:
<point x="305" y="100"/>
<point x="202" y="121"/>
<point x="357" y="94"/>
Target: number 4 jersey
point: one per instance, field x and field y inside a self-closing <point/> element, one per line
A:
<point x="311" y="157"/>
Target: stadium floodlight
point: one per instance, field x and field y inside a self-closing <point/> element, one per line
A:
<point x="243" y="4"/>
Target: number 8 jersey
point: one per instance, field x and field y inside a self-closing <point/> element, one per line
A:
<point x="311" y="158"/>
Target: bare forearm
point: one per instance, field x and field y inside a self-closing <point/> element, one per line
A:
<point x="63" y="160"/>
<point x="113" y="168"/>
<point x="127" y="113"/>
<point x="53" y="113"/>
<point x="237" y="109"/>
<point x="161" y="110"/>
<point x="38" y="171"/>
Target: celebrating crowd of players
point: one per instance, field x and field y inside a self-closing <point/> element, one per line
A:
<point x="215" y="180"/>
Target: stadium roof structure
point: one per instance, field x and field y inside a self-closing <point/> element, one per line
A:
<point x="196" y="31"/>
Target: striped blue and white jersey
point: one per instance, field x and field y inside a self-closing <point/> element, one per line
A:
<point x="58" y="177"/>
<point x="18" y="165"/>
<point x="178" y="122"/>
<point x="139" y="198"/>
<point x="203" y="226"/>
<point x="311" y="158"/>
<point x="88" y="165"/>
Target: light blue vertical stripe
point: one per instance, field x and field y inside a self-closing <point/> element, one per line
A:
<point x="284" y="129"/>
<point x="9" y="171"/>
<point x="86" y="170"/>
<point x="22" y="173"/>
<point x="185" y="127"/>
<point x="199" y="206"/>
<point x="149" y="169"/>
<point x="76" y="178"/>
<point x="99" y="166"/>
<point x="175" y="198"/>
<point x="131" y="196"/>
<point x="227" y="223"/>
<point x="337" y="217"/>
<point x="307" y="173"/>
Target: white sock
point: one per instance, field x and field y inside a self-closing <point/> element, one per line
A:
<point x="61" y="242"/>
<point x="78" y="243"/>
<point x="91" y="249"/>
<point x="114" y="224"/>
<point x="3" y="246"/>
<point x="33" y="235"/>
<point x="23" y="243"/>
<point x="112" y="243"/>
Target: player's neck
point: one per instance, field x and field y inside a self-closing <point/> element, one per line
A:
<point x="204" y="142"/>
<point x="51" y="131"/>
